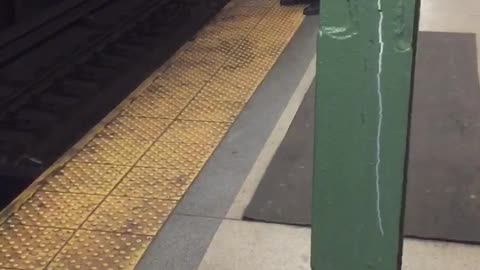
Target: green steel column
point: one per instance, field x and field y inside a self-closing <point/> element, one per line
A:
<point x="364" y="74"/>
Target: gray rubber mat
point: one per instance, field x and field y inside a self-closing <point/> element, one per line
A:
<point x="443" y="191"/>
<point x="284" y="193"/>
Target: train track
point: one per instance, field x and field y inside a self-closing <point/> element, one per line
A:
<point x="68" y="77"/>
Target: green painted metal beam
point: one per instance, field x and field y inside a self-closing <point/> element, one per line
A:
<point x="364" y="73"/>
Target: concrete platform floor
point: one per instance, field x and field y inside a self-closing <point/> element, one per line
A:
<point x="250" y="245"/>
<point x="206" y="231"/>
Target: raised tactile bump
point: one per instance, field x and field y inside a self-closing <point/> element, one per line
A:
<point x="164" y="88"/>
<point x="191" y="72"/>
<point x="173" y="155"/>
<point x="167" y="108"/>
<point x="112" y="151"/>
<point x="212" y="110"/>
<point x="168" y="184"/>
<point x="222" y="90"/>
<point x="130" y="215"/>
<point x="28" y="247"/>
<point x="135" y="128"/>
<point x="195" y="132"/>
<point x="95" y="250"/>
<point x="88" y="178"/>
<point x="54" y="209"/>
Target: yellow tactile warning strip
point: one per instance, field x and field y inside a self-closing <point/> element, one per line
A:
<point x="100" y="206"/>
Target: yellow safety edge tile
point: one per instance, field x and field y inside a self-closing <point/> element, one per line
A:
<point x="240" y="60"/>
<point x="143" y="216"/>
<point x="169" y="184"/>
<point x="195" y="132"/>
<point x="134" y="128"/>
<point x="188" y="72"/>
<point x="28" y="247"/>
<point x="214" y="56"/>
<point x="218" y="34"/>
<point x="95" y="250"/>
<point x="212" y="110"/>
<point x="232" y="74"/>
<point x="88" y="178"/>
<point x="167" y="108"/>
<point x="54" y="209"/>
<point x="168" y="88"/>
<point x="112" y="151"/>
<point x="174" y="155"/>
<point x="225" y="90"/>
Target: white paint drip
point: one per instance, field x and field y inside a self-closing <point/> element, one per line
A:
<point x="380" y="114"/>
<point x="339" y="33"/>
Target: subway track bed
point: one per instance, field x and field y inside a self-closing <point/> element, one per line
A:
<point x="100" y="204"/>
<point x="61" y="77"/>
